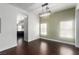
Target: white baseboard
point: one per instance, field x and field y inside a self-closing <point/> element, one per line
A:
<point x="77" y="45"/>
<point x="54" y="40"/>
<point x="8" y="47"/>
<point x="25" y="40"/>
<point x="58" y="41"/>
<point x="32" y="40"/>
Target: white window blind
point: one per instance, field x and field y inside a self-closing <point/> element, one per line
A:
<point x="66" y="29"/>
<point x="43" y="29"/>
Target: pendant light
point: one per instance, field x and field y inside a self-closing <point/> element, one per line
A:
<point x="46" y="11"/>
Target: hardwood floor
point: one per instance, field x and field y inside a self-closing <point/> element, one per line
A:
<point x="41" y="47"/>
<point x="45" y="47"/>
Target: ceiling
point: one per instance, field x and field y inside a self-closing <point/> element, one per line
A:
<point x="36" y="7"/>
<point x="27" y="6"/>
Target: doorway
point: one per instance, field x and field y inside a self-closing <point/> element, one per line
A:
<point x="22" y="25"/>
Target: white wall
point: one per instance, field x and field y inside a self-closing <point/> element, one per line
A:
<point x="8" y="37"/>
<point x="33" y="27"/>
<point x="77" y="26"/>
<point x="26" y="29"/>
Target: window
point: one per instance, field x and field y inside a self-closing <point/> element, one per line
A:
<point x="66" y="29"/>
<point x="43" y="29"/>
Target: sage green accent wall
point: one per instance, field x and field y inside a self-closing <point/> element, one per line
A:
<point x="53" y="23"/>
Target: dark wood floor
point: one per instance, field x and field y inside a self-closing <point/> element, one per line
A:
<point x="41" y="47"/>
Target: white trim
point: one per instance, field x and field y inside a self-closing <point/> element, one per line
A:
<point x="53" y="40"/>
<point x="58" y="41"/>
<point x="32" y="40"/>
<point x="8" y="47"/>
<point x="77" y="45"/>
<point x="25" y="40"/>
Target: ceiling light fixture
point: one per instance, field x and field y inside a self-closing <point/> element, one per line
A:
<point x="46" y="11"/>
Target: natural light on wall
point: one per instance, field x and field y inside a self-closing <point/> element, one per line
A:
<point x="43" y="29"/>
<point x="66" y="29"/>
